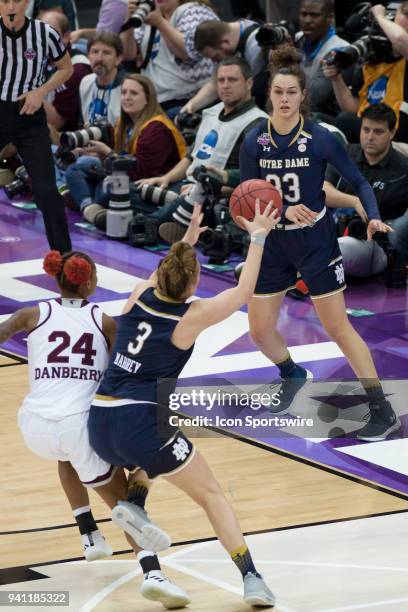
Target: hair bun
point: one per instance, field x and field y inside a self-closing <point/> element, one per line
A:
<point x="52" y="263"/>
<point x="77" y="270"/>
<point x="284" y="57"/>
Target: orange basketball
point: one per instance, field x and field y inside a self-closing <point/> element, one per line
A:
<point x="242" y="200"/>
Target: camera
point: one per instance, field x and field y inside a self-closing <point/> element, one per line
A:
<point x="157" y="195"/>
<point x="207" y="187"/>
<point x="143" y="231"/>
<point x="218" y="243"/>
<point x="140" y="14"/>
<point x="102" y="130"/>
<point x="21" y="185"/>
<point x="270" y="35"/>
<point x="188" y="124"/>
<point x="371" y="46"/>
<point x="119" y="213"/>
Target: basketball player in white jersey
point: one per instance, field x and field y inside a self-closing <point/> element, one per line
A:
<point x="68" y="347"/>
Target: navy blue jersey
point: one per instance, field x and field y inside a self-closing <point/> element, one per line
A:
<point x="296" y="164"/>
<point x="143" y="351"/>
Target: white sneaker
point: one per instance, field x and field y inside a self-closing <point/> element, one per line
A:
<point x="157" y="587"/>
<point x="257" y="593"/>
<point x="134" y="520"/>
<point x="95" y="546"/>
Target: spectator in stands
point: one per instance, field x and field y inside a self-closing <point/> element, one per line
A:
<point x="112" y="15"/>
<point x="143" y="130"/>
<point x="384" y="81"/>
<point x="218" y="40"/>
<point x="219" y="136"/>
<point x="100" y="91"/>
<point x="164" y="49"/>
<point x="37" y="8"/>
<point x="387" y="172"/>
<point x="315" y="40"/>
<point x="63" y="107"/>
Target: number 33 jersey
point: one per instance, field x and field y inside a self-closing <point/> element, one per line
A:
<point x="67" y="356"/>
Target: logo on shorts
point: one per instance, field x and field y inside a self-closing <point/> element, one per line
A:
<point x="264" y="139"/>
<point x="30" y="54"/>
<point x="339" y="272"/>
<point x="180" y="449"/>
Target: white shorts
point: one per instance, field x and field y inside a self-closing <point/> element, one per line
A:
<point x="65" y="440"/>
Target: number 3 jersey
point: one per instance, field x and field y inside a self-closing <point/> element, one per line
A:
<point x="143" y="352"/>
<point x="67" y="356"/>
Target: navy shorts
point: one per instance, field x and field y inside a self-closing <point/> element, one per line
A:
<point x="130" y="436"/>
<point x="312" y="253"/>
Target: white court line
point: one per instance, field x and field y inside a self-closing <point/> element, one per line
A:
<point x="214" y="581"/>
<point x="106" y="591"/>
<point x="375" y="604"/>
<point x="304" y="563"/>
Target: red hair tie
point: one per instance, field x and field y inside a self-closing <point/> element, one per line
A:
<point x="77" y="270"/>
<point x="52" y="263"/>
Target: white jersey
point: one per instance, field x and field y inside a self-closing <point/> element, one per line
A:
<point x="67" y="356"/>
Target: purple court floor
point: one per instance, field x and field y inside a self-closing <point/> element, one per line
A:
<point x="225" y="357"/>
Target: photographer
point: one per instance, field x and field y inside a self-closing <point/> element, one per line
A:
<point x="27" y="45"/>
<point x="221" y="131"/>
<point x="218" y="40"/>
<point x="315" y="40"/>
<point x="387" y="172"/>
<point x="143" y="131"/>
<point x="381" y="79"/>
<point x="100" y="91"/>
<point x="162" y="44"/>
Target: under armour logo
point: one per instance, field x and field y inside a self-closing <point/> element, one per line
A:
<point x="339" y="272"/>
<point x="180" y="449"/>
<point x="266" y="148"/>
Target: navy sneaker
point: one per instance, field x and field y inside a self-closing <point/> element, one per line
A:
<point x="288" y="390"/>
<point x="381" y="421"/>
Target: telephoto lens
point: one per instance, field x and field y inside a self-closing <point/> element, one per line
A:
<point x="157" y="195"/>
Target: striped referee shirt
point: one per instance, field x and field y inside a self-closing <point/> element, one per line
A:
<point x="24" y="56"/>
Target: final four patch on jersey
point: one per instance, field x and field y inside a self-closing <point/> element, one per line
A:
<point x="263" y="139"/>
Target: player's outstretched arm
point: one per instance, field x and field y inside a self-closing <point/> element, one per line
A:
<point x="24" y="319"/>
<point x="207" y="312"/>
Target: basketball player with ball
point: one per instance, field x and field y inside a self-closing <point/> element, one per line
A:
<point x="291" y="152"/>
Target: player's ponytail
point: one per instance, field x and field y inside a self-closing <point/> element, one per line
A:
<point x="287" y="61"/>
<point x="70" y="270"/>
<point x="177" y="271"/>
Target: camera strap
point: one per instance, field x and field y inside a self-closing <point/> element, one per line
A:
<point x="146" y="60"/>
<point x="243" y="38"/>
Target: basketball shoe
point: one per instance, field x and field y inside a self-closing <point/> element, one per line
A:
<point x="95" y="546"/>
<point x="157" y="587"/>
<point x="134" y="520"/>
<point x="381" y="421"/>
<point x="288" y="389"/>
<point x="256" y="592"/>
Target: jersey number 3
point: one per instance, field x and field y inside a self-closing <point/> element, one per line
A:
<point x="288" y="186"/>
<point x="135" y="347"/>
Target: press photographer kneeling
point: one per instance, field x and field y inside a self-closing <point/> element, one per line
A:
<point x="143" y="131"/>
<point x="387" y="172"/>
<point x="217" y="143"/>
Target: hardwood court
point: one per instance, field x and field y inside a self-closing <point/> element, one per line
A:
<point x="271" y="493"/>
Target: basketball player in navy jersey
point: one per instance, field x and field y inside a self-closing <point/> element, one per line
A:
<point x="155" y="338"/>
<point x="68" y="342"/>
<point x="292" y="152"/>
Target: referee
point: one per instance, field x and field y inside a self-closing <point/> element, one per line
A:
<point x="26" y="46"/>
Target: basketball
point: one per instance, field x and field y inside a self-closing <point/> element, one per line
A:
<point x="243" y="198"/>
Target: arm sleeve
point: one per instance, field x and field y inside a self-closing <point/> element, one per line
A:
<point x="248" y="167"/>
<point x="335" y="153"/>
<point x="56" y="48"/>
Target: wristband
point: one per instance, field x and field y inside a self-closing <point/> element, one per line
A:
<point x="258" y="238"/>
